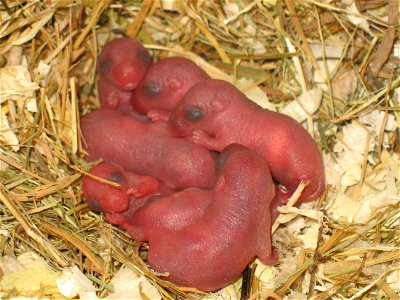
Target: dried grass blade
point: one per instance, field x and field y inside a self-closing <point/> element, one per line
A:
<point x="134" y="28"/>
<point x="369" y="286"/>
<point x="213" y="71"/>
<point x="23" y="170"/>
<point x="244" y="10"/>
<point x="59" y="48"/>
<point x="29" y="227"/>
<point x="336" y="268"/>
<point x="134" y="266"/>
<point x="78" y="243"/>
<point x="48" y="189"/>
<point x="22" y="22"/>
<point x="74" y="116"/>
<point x="92" y="22"/>
<point x="290" y="278"/>
<point x="292" y="201"/>
<point x="204" y="29"/>
<point x="266" y="56"/>
<point x="302" y="35"/>
<point x="34" y="29"/>
<point x="224" y="57"/>
<point x="365" y="104"/>
<point x="112" y="183"/>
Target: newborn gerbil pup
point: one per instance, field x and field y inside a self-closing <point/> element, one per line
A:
<point x="164" y="85"/>
<point x="104" y="197"/>
<point x="215" y="113"/>
<point x="173" y="211"/>
<point x="235" y="227"/>
<point x="123" y="61"/>
<point x="147" y="149"/>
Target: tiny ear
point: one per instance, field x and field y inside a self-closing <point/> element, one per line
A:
<point x="218" y="105"/>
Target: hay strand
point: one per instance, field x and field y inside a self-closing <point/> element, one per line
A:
<point x="343" y="246"/>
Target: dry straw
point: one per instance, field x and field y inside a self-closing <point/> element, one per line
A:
<point x="48" y="52"/>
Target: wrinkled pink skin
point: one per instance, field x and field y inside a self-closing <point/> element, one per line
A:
<point x="164" y="85"/>
<point x="173" y="211"/>
<point x="147" y="149"/>
<point x="104" y="197"/>
<point x="235" y="227"/>
<point x="217" y="114"/>
<point x="112" y="97"/>
<point x="124" y="62"/>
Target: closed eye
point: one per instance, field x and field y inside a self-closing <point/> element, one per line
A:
<point x="193" y="113"/>
<point x="117" y="177"/>
<point x="105" y="65"/>
<point x="152" y="89"/>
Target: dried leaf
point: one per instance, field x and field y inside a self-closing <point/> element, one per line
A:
<point x="73" y="283"/>
<point x="385" y="48"/>
<point x="18" y="23"/>
<point x="392" y="162"/>
<point x="28" y="273"/>
<point x="171" y="5"/>
<point x="344" y="85"/>
<point x="33" y="29"/>
<point x="369" y="4"/>
<point x="6" y="133"/>
<point x="266" y="274"/>
<point x="371" y="204"/>
<point x="254" y="93"/>
<point x="17" y="85"/>
<point x="327" y="51"/>
<point x="355" y="17"/>
<point x="126" y="285"/>
<point x="375" y="120"/>
<point x="393" y="280"/>
<point x="306" y="105"/>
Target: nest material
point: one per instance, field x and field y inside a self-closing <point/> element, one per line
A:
<point x="333" y="65"/>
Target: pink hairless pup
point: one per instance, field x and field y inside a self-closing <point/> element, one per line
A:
<point x="123" y="62"/>
<point x="104" y="197"/>
<point x="235" y="227"/>
<point x="164" y="85"/>
<point x="147" y="149"/>
<point x="174" y="211"/>
<point x="216" y="114"/>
